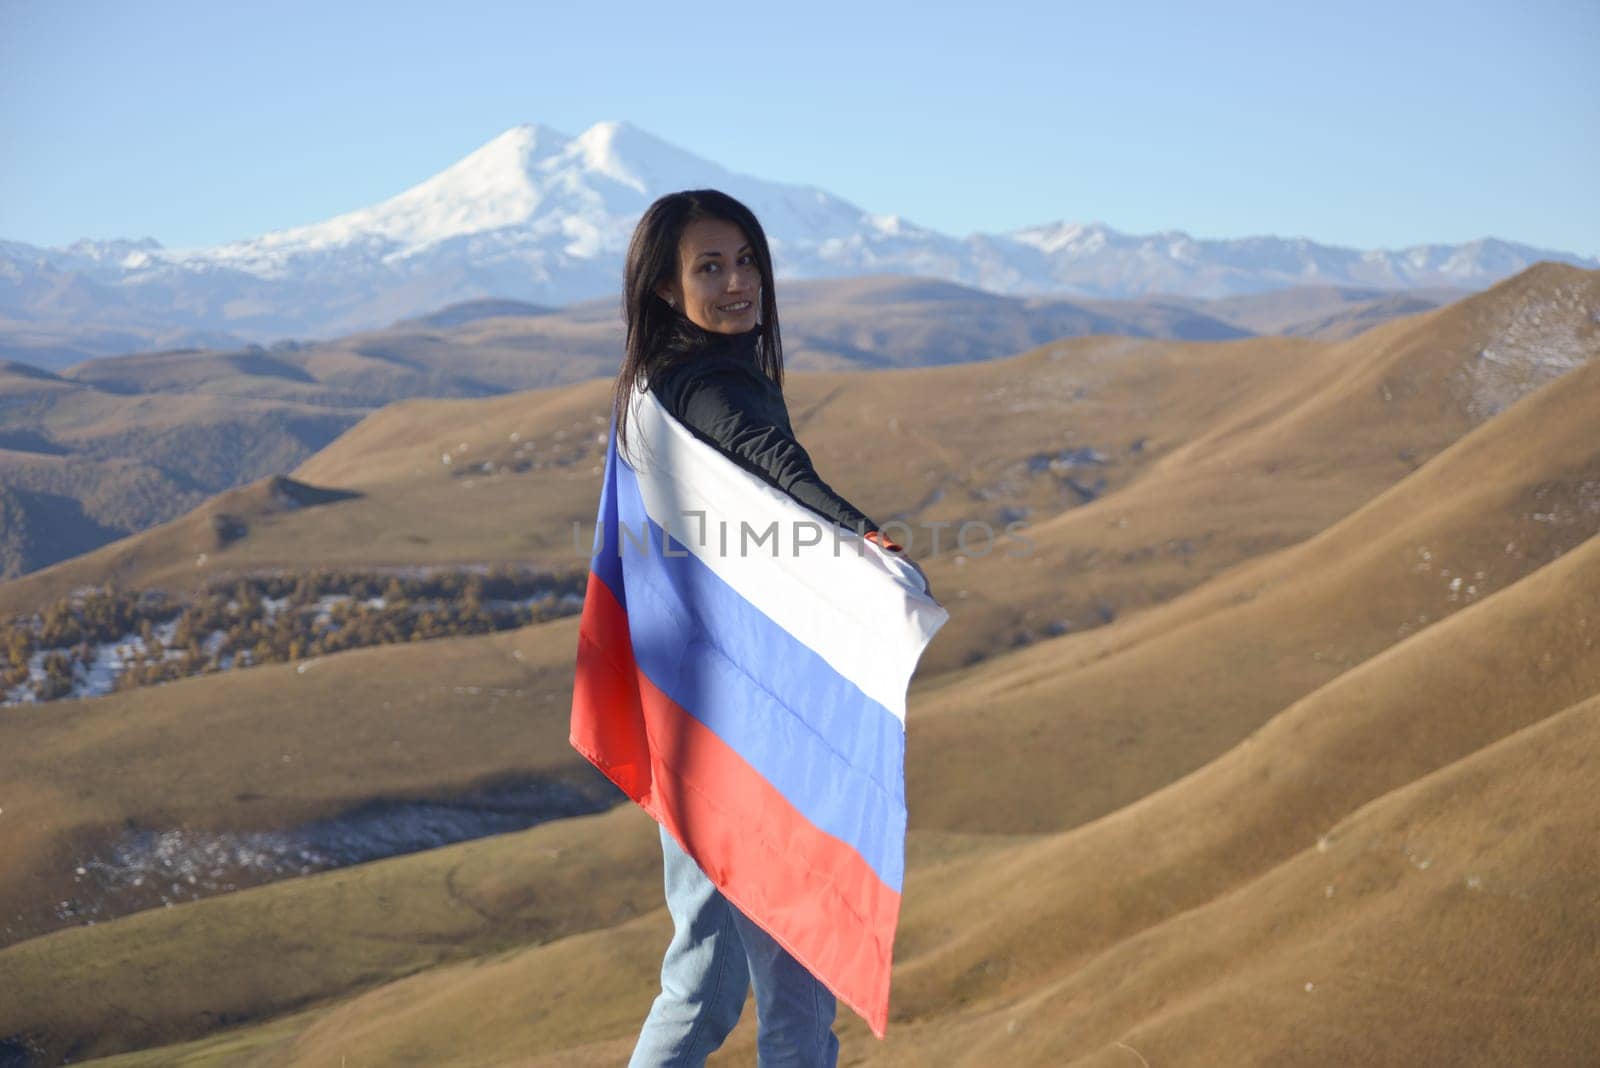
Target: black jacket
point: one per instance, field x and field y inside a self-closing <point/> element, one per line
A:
<point x="719" y="392"/>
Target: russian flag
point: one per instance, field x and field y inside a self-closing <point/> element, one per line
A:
<point x="741" y="674"/>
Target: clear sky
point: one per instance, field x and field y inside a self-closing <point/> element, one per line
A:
<point x="1357" y="123"/>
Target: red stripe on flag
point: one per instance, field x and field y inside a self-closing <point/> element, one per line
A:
<point x="812" y="892"/>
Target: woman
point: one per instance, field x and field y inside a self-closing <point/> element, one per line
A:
<point x="702" y="335"/>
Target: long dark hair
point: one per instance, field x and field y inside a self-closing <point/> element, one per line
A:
<point x="658" y="332"/>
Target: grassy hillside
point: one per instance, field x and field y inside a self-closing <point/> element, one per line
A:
<point x="1111" y="714"/>
<point x="508" y="479"/>
<point x="81" y="466"/>
<point x="1138" y="468"/>
<point x="1312" y="789"/>
<point x="192" y="422"/>
<point x="266" y="748"/>
<point x="1348" y="871"/>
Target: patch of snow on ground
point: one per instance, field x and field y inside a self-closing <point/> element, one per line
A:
<point x="107" y="661"/>
<point x="144" y="868"/>
<point x="1533" y="343"/>
<point x="1579" y="504"/>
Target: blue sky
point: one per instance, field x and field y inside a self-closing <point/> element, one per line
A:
<point x="1366" y="124"/>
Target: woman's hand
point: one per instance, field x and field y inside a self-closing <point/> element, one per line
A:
<point x="878" y="537"/>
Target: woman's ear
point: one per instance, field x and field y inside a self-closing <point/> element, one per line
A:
<point x="666" y="293"/>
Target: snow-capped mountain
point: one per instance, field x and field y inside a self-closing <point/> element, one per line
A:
<point x="544" y="210"/>
<point x="539" y="216"/>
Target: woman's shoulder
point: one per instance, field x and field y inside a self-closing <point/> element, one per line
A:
<point x="675" y="371"/>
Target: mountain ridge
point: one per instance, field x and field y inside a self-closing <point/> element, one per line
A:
<point x="535" y="215"/>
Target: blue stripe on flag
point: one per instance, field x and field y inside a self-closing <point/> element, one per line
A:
<point x="838" y="757"/>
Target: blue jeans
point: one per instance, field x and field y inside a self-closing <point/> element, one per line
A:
<point x="715" y="955"/>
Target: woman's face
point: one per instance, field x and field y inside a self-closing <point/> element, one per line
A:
<point x="718" y="287"/>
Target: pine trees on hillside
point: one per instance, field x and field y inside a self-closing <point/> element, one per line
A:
<point x="266" y="619"/>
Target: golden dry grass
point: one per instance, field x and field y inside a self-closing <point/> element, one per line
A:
<point x="1428" y="881"/>
<point x="1104" y="718"/>
<point x="1319" y="795"/>
<point x="272" y="747"/>
<point x="951" y="445"/>
<point x="1217" y="453"/>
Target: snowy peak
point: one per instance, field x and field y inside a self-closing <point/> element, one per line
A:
<point x="509" y="164"/>
<point x="535" y="215"/>
<point x="500" y="184"/>
<point x="1064" y="238"/>
<point x="627" y="155"/>
<point x="603" y="149"/>
<point x="497" y="185"/>
<point x="530" y="177"/>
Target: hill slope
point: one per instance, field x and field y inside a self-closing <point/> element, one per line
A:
<point x="1106" y="716"/>
<point x="1358" y="897"/>
<point x="1358" y="760"/>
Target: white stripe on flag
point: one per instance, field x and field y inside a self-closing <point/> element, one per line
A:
<point x="818" y="597"/>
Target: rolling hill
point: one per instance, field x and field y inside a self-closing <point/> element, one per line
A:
<point x="1312" y="790"/>
<point x="110" y="446"/>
